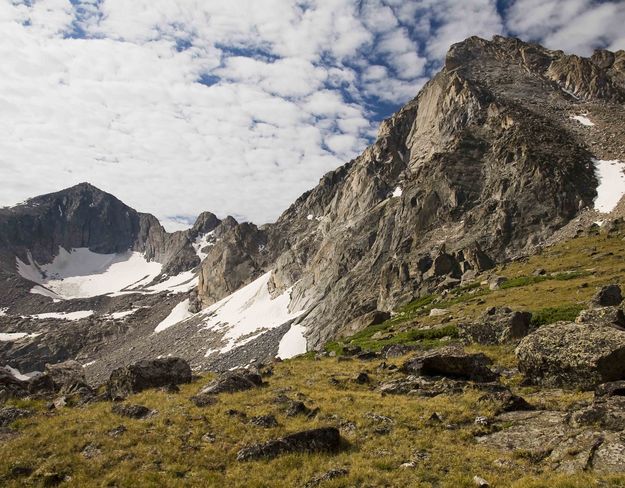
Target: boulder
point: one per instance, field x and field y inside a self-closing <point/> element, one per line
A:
<point x="265" y="421"/>
<point x="609" y="295"/>
<point x="145" y="374"/>
<point x="495" y="282"/>
<point x="232" y="382"/>
<point x="10" y="414"/>
<point x="604" y="315"/>
<point x="451" y="362"/>
<point x="326" y="439"/>
<point x="421" y="386"/>
<point x="65" y="374"/>
<point x="499" y="325"/>
<point x="11" y="386"/>
<point x="204" y="400"/>
<point x="131" y="411"/>
<point x="327" y="476"/>
<point x="506" y="401"/>
<point x="572" y="355"/>
<point x="374" y="317"/>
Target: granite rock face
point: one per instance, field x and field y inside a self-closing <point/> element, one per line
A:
<point x="483" y="164"/>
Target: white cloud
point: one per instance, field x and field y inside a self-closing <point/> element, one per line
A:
<point x="109" y="91"/>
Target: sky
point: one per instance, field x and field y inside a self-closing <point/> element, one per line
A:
<point x="234" y="106"/>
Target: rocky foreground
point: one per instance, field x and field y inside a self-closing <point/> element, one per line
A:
<point x="516" y="378"/>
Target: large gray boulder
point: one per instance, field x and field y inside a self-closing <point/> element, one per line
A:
<point x="146" y="374"/>
<point x="451" y="362"/>
<point x="609" y="295"/>
<point x="326" y="439"/>
<point x="499" y="325"/>
<point x="232" y="382"/>
<point x="573" y="355"/>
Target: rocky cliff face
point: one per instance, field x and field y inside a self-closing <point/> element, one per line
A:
<point x="483" y="164"/>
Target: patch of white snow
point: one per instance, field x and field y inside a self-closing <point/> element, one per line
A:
<point x="121" y="314"/>
<point x="81" y="273"/>
<point x="21" y="376"/>
<point x="202" y="242"/>
<point x="611" y="187"/>
<point x="179" y="313"/>
<point x="80" y="314"/>
<point x="310" y="216"/>
<point x="249" y="312"/>
<point x="293" y="342"/>
<point x="397" y="192"/>
<point x="582" y="119"/>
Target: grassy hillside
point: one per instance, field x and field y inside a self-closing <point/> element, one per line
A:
<point x="184" y="445"/>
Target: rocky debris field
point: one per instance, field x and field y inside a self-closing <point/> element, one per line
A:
<point x="513" y="377"/>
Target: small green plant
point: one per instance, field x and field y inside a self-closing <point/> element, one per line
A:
<point x="554" y="314"/>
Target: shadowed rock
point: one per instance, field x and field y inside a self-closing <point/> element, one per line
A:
<point x="498" y="325"/>
<point x="232" y="382"/>
<point x="10" y="414"/>
<point x="451" y="362"/>
<point x="609" y="295"/>
<point x="145" y="374"/>
<point x="326" y="439"/>
<point x="131" y="411"/>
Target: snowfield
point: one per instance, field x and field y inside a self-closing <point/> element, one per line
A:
<point x="15" y="336"/>
<point x="611" y="187"/>
<point x="81" y="314"/>
<point x="179" y="313"/>
<point x="293" y="342"/>
<point x="81" y="273"/>
<point x="249" y="312"/>
<point x="397" y="192"/>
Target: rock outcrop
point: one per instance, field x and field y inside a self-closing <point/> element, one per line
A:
<point x="147" y="374"/>
<point x="327" y="439"/>
<point x="573" y="355"/>
<point x="451" y="362"/>
<point x="497" y="326"/>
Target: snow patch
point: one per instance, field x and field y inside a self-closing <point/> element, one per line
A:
<point x="611" y="187"/>
<point x="21" y="376"/>
<point x="3" y="312"/>
<point x="16" y="336"/>
<point x="201" y="242"/>
<point x="582" y="119"/>
<point x="310" y="216"/>
<point x="248" y="312"/>
<point x="81" y="273"/>
<point x="185" y="281"/>
<point x="293" y="342"/>
<point x="121" y="314"/>
<point x="81" y="314"/>
<point x="179" y="313"/>
<point x="12" y="336"/>
<point x="89" y="363"/>
<point x="397" y="192"/>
